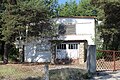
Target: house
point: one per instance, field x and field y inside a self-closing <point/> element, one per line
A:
<point x="76" y="33"/>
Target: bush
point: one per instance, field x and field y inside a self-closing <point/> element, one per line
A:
<point x="13" y="54"/>
<point x="0" y="57"/>
<point x="68" y="74"/>
<point x="99" y="55"/>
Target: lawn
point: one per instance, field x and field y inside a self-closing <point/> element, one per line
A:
<point x="36" y="72"/>
<point x="20" y="72"/>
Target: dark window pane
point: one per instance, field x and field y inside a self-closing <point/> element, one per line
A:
<point x="61" y="46"/>
<point x="73" y="46"/>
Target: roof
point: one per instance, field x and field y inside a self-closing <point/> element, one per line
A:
<point x="77" y="16"/>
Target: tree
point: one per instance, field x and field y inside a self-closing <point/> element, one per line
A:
<point x="21" y="13"/>
<point x="110" y="30"/>
<point x="99" y="5"/>
<point x="106" y="33"/>
<point x="83" y="8"/>
<point x="64" y="9"/>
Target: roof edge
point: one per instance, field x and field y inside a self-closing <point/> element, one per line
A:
<point x="77" y="17"/>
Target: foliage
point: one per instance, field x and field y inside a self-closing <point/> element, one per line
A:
<point x="17" y="14"/>
<point x="99" y="5"/>
<point x="108" y="13"/>
<point x="0" y="57"/>
<point x="13" y="54"/>
<point x="110" y="30"/>
<point x="68" y="9"/>
<point x="83" y="8"/>
<point x="33" y="13"/>
<point x="99" y="55"/>
<point x="68" y="74"/>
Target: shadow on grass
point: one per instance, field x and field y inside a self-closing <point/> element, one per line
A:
<point x="104" y="75"/>
<point x="33" y="78"/>
<point x="1" y="63"/>
<point x="68" y="74"/>
<point x="65" y="74"/>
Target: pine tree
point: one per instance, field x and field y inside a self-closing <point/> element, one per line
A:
<point x="21" y="13"/>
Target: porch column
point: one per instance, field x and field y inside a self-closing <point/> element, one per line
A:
<point x="81" y="53"/>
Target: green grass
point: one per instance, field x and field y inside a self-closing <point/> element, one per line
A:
<point x="17" y="72"/>
<point x="7" y="70"/>
<point x="29" y="72"/>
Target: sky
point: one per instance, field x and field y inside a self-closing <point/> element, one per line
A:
<point x="63" y="1"/>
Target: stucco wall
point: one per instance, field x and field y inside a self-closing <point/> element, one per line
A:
<point x="85" y="29"/>
<point x="35" y="53"/>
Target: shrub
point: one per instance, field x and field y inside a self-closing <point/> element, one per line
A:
<point x="13" y="54"/>
<point x="99" y="55"/>
<point x="0" y="57"/>
<point x="68" y="74"/>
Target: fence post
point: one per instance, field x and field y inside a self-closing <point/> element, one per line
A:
<point x="46" y="71"/>
<point x="114" y="61"/>
<point x="91" y="59"/>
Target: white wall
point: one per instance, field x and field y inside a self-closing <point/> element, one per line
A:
<point x="34" y="53"/>
<point x="85" y="29"/>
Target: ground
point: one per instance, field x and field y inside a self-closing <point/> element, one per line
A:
<point x="56" y="72"/>
<point x="107" y="75"/>
<point x="36" y="72"/>
<point x="19" y="71"/>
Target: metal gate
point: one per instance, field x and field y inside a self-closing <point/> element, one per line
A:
<point x="107" y="60"/>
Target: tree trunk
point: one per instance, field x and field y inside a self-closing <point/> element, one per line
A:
<point x="2" y="49"/>
<point x="53" y="54"/>
<point x="21" y="54"/>
<point x="5" y="56"/>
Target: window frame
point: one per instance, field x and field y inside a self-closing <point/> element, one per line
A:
<point x="73" y="46"/>
<point x="62" y="46"/>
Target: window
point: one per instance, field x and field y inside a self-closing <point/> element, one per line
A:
<point x="62" y="29"/>
<point x="70" y="29"/>
<point x="61" y="46"/>
<point x="73" y="46"/>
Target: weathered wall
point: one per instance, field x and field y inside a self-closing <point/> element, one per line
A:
<point x="34" y="53"/>
<point x="84" y="30"/>
<point x="84" y="27"/>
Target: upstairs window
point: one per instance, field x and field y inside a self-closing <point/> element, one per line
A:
<point x="70" y="29"/>
<point x="62" y="29"/>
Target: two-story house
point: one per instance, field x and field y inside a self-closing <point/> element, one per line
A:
<point x="76" y="33"/>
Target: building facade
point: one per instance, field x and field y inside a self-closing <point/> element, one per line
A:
<point x="79" y="32"/>
<point x="75" y="34"/>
